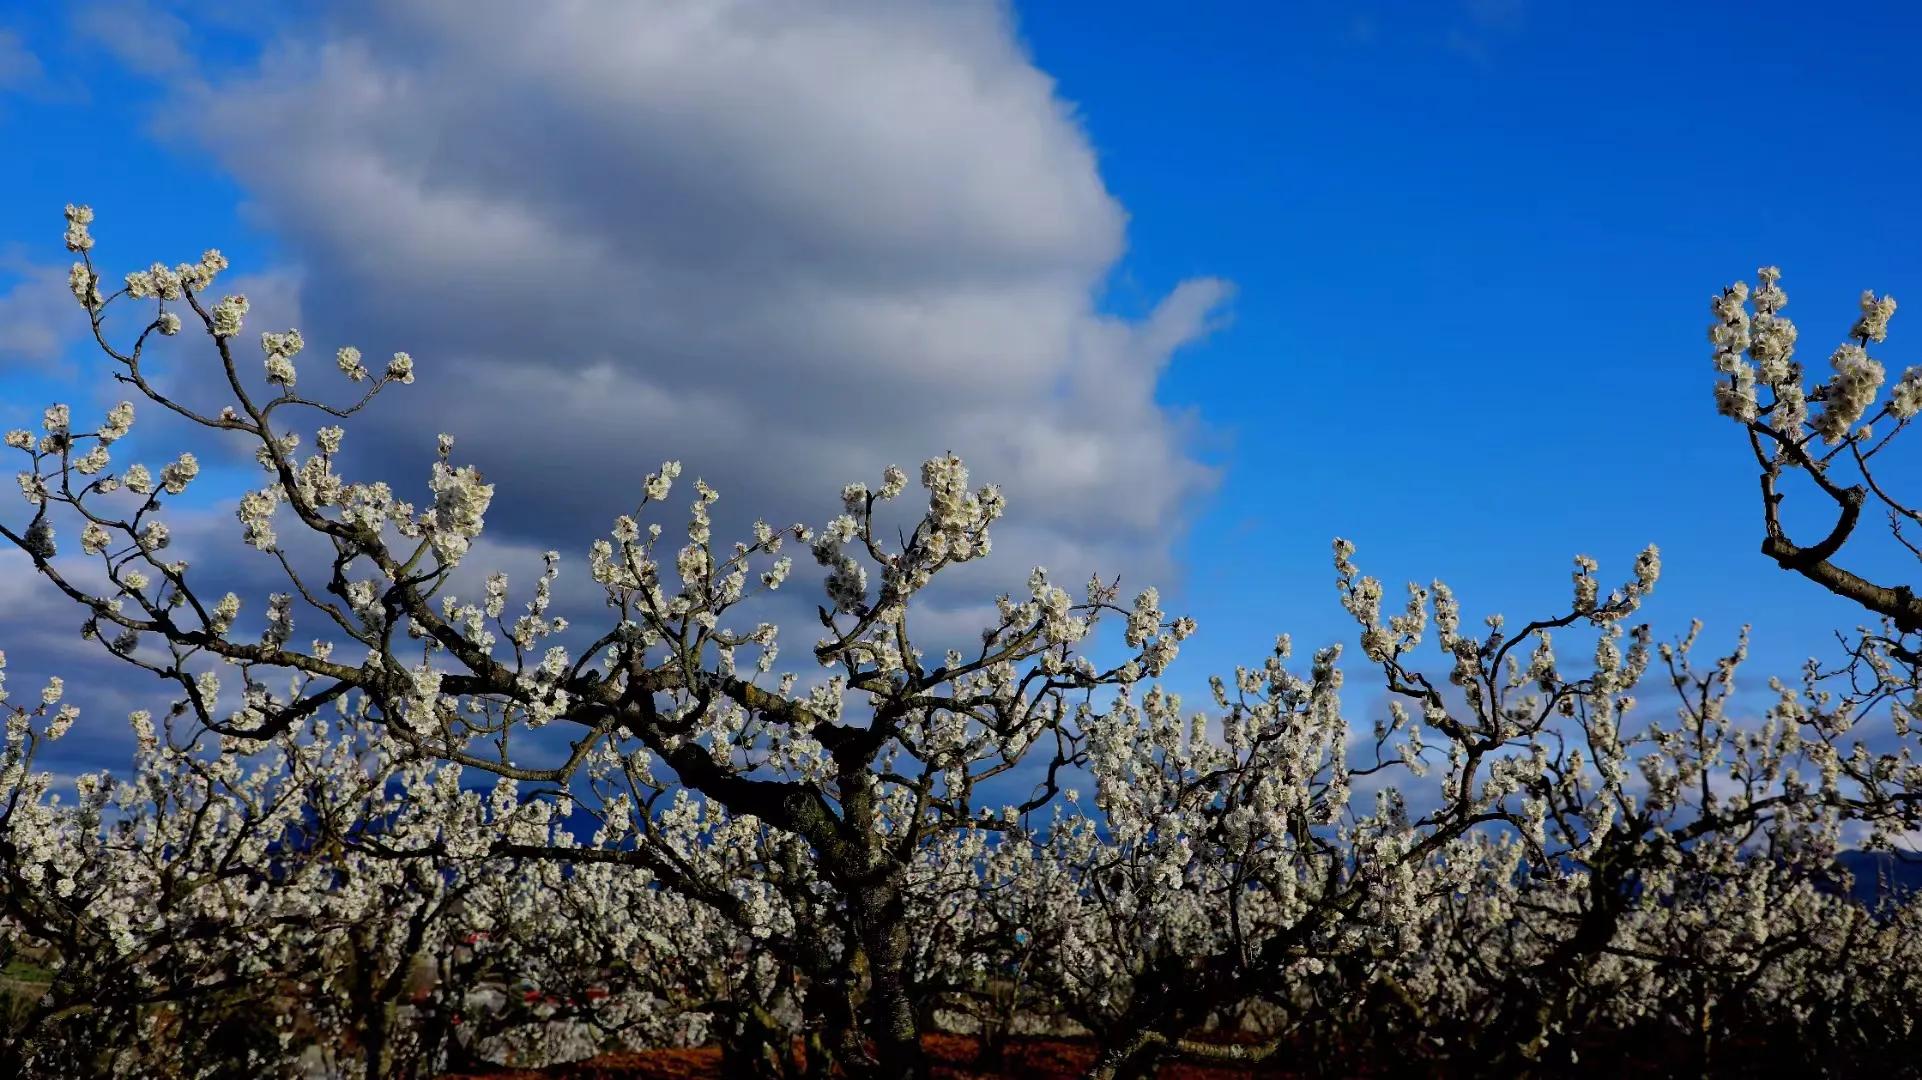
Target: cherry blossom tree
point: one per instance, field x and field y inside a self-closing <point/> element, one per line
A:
<point x="432" y="831"/>
<point x="1231" y="865"/>
<point x="1839" y="444"/>
<point x="1832" y="436"/>
<point x="187" y="887"/>
<point x="669" y="683"/>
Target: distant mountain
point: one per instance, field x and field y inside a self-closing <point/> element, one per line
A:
<point x="1880" y="874"/>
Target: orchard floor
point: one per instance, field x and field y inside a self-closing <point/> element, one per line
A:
<point x="953" y="1058"/>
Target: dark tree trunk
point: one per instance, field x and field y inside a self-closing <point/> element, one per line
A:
<point x="1166" y="1003"/>
<point x="1137" y="1058"/>
<point x="375" y="1030"/>
<point x="890" y="1013"/>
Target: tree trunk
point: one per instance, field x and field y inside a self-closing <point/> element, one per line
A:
<point x="376" y="1028"/>
<point x="997" y="1030"/>
<point x="754" y="1045"/>
<point x="834" y="1046"/>
<point x="1134" y="1059"/>
<point x="1166" y="1003"/>
<point x="889" y="1009"/>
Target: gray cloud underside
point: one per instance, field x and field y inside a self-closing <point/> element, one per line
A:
<point x="786" y="244"/>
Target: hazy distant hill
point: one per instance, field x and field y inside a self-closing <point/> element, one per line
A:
<point x="1879" y="873"/>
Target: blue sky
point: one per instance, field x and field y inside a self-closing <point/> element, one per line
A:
<point x="1471" y="247"/>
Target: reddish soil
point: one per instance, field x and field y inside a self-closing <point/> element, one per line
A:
<point x="954" y="1058"/>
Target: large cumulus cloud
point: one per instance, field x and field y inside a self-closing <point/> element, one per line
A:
<point x="787" y="244"/>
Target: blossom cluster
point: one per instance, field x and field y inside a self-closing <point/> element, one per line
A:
<point x="404" y="812"/>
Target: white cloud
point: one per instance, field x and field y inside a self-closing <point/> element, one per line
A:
<point x="142" y="36"/>
<point x="39" y="319"/>
<point x="20" y="69"/>
<point x="787" y="243"/>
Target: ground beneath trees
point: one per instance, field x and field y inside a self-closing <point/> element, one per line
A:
<point x="954" y="1058"/>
